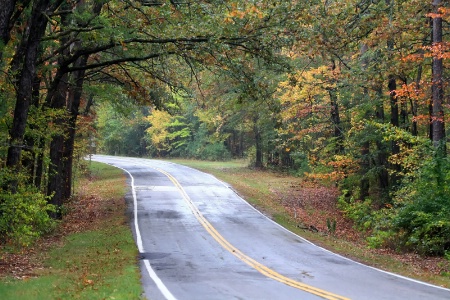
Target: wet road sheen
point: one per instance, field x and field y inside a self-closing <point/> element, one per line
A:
<point x="199" y="240"/>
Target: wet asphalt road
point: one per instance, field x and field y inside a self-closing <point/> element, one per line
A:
<point x="199" y="240"/>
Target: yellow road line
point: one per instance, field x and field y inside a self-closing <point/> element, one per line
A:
<point x="248" y="260"/>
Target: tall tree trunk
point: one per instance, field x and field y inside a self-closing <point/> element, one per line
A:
<point x="382" y="157"/>
<point x="392" y="85"/>
<point x="73" y="106"/>
<point x="438" y="123"/>
<point x="55" y="173"/>
<point x="29" y="162"/>
<point x="38" y="22"/>
<point x="404" y="115"/>
<point x="57" y="99"/>
<point x="395" y="148"/>
<point x="65" y="97"/>
<point x="259" y="152"/>
<point x="258" y="144"/>
<point x="364" y="184"/>
<point x="414" y="103"/>
<point x="334" y="115"/>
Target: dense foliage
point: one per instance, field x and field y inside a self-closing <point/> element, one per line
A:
<point x="350" y="92"/>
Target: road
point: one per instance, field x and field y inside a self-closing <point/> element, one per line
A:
<point x="199" y="240"/>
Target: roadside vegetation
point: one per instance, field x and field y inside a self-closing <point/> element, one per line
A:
<point x="90" y="255"/>
<point x="349" y="97"/>
<point x="309" y="209"/>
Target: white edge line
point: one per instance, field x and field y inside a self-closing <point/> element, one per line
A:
<point x="161" y="286"/>
<point x="326" y="250"/>
<point x="302" y="238"/>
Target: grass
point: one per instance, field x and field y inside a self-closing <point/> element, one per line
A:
<point x="257" y="187"/>
<point x="98" y="260"/>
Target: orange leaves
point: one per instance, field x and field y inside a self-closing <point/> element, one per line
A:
<point x="418" y="92"/>
<point x="438" y="50"/>
<point x="443" y="12"/>
<point x="240" y="13"/>
<point x="414" y="57"/>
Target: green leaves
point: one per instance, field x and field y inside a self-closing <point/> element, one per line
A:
<point x="24" y="216"/>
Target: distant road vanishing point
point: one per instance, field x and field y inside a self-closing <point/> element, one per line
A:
<point x="199" y="240"/>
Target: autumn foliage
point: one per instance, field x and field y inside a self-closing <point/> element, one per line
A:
<point x="351" y="93"/>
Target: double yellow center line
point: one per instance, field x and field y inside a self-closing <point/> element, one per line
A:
<point x="248" y="260"/>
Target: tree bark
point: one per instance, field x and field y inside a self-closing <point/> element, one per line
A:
<point x="414" y="103"/>
<point x="55" y="173"/>
<point x="438" y="123"/>
<point x="24" y="81"/>
<point x="334" y="115"/>
<point x="382" y="160"/>
<point x="73" y="105"/>
<point x="66" y="96"/>
<point x="364" y="183"/>
<point x="57" y="99"/>
<point x="258" y="144"/>
<point x="29" y="162"/>
<point x="259" y="152"/>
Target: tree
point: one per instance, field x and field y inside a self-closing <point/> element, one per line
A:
<point x="24" y="80"/>
<point x="437" y="86"/>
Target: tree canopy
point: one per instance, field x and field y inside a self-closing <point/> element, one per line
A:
<point x="348" y="92"/>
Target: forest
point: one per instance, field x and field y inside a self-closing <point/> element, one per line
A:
<point x="350" y="93"/>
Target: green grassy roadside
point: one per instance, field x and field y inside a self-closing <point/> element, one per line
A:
<point x="97" y="259"/>
<point x="258" y="188"/>
<point x="94" y="256"/>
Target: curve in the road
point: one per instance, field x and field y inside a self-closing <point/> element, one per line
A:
<point x="236" y="252"/>
<point x="187" y="193"/>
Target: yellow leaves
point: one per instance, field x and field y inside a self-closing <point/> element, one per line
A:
<point x="158" y="130"/>
<point x="306" y="93"/>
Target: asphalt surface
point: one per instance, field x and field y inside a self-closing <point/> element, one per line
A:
<point x="199" y="240"/>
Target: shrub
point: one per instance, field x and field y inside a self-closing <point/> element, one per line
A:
<point x="361" y="212"/>
<point x="420" y="216"/>
<point x="216" y="151"/>
<point x="24" y="216"/>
